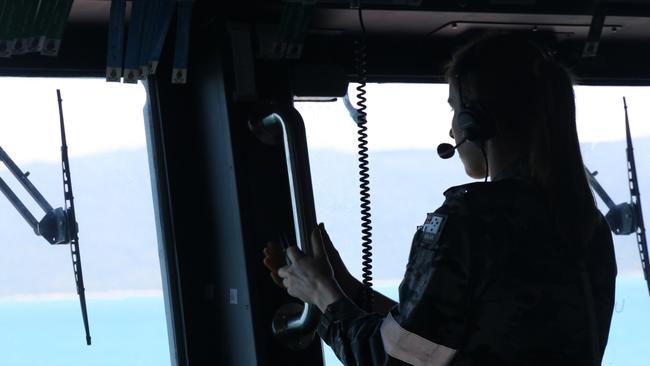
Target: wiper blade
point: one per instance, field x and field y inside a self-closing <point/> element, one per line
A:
<point x="635" y="199"/>
<point x="72" y="227"/>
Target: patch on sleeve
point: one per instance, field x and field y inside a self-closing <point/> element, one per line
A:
<point x="433" y="226"/>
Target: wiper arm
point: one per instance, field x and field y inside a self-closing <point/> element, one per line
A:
<point x="593" y="182"/>
<point x="11" y="196"/>
<point x="52" y="226"/>
<point x="622" y="218"/>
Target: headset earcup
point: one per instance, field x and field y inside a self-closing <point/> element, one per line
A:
<point x="468" y="124"/>
<point x="476" y="124"/>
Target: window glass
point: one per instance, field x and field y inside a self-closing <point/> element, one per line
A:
<point x="40" y="317"/>
<point x="406" y="123"/>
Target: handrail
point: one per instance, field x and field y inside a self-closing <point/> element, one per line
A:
<point x="297" y="329"/>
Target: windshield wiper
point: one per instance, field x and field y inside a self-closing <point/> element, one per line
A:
<point x="626" y="218"/>
<point x="58" y="226"/>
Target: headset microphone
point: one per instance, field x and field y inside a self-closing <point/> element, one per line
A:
<point x="446" y="151"/>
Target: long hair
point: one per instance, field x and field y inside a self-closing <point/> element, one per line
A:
<point x="529" y="96"/>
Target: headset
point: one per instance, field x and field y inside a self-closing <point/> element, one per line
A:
<point x="474" y="120"/>
<point x="476" y="124"/>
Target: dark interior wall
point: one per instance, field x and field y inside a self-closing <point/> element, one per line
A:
<point x="185" y="112"/>
<point x="163" y="209"/>
<point x="178" y="168"/>
<point x="228" y="196"/>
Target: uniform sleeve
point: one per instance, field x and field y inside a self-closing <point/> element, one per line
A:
<point x="354" y="335"/>
<point x="428" y="324"/>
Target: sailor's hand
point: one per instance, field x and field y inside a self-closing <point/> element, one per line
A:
<point x="311" y="279"/>
<point x="349" y="284"/>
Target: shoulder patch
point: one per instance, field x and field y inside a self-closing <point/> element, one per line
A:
<point x="459" y="191"/>
<point x="433" y="226"/>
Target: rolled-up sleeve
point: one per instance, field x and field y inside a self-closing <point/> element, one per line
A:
<point x="427" y="326"/>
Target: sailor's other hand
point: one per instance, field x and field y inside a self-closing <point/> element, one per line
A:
<point x="348" y="283"/>
<point x="311" y="279"/>
<point x="273" y="260"/>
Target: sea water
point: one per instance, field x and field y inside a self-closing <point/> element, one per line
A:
<point x="128" y="331"/>
<point x="132" y="331"/>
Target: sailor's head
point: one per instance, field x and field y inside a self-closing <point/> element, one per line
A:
<point x="509" y="97"/>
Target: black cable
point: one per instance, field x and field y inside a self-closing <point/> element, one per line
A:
<point x="364" y="181"/>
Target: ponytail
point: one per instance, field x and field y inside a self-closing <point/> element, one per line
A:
<point x="555" y="159"/>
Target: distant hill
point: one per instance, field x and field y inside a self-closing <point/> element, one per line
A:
<point x="117" y="230"/>
<point x="118" y="239"/>
<point x="408" y="184"/>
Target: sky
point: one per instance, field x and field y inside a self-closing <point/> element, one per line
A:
<point x="92" y="108"/>
<point x="396" y="111"/>
<point x="401" y="116"/>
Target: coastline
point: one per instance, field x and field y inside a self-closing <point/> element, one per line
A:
<point x="90" y="295"/>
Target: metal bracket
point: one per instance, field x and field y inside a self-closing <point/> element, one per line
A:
<point x="595" y="31"/>
<point x="182" y="45"/>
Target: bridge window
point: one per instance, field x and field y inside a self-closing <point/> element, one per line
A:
<point x="406" y="123"/>
<point x="40" y="314"/>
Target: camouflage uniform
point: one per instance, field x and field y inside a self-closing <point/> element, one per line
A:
<point x="487" y="283"/>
